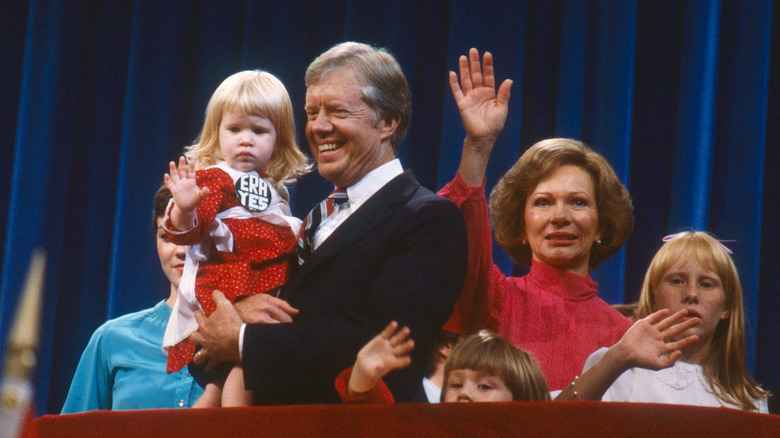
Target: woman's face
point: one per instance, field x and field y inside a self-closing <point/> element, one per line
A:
<point x="475" y="386"/>
<point x="562" y="220"/>
<point x="688" y="285"/>
<point x="171" y="256"/>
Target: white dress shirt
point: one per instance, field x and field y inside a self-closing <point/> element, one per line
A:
<point x="358" y="194"/>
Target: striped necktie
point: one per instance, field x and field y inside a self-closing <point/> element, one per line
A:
<point x="313" y="220"/>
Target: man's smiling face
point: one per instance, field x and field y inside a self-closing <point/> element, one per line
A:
<point x="345" y="139"/>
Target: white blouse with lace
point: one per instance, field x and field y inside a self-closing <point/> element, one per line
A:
<point x="682" y="384"/>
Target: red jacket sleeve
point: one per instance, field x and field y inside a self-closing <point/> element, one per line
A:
<point x="477" y="303"/>
<point x="221" y="187"/>
<point x="379" y="394"/>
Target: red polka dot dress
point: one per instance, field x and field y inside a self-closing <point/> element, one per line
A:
<point x="262" y="256"/>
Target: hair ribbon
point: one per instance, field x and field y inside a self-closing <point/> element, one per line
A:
<point x="725" y="248"/>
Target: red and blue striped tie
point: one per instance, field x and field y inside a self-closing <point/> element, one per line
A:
<point x="314" y="218"/>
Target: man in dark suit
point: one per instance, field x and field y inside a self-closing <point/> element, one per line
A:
<point x="393" y="251"/>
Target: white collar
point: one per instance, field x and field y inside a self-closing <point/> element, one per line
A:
<point x="373" y="181"/>
<point x="234" y="173"/>
<point x="432" y="392"/>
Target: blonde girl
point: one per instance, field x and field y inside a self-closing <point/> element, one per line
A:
<point x="689" y="339"/>
<point x="231" y="206"/>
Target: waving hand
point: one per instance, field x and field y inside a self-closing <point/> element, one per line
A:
<point x="482" y="110"/>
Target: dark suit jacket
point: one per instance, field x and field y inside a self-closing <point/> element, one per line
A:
<point x="401" y="256"/>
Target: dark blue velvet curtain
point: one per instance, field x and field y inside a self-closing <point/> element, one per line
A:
<point x="681" y="97"/>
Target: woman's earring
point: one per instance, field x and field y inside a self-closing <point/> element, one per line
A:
<point x="525" y="242"/>
<point x="598" y="241"/>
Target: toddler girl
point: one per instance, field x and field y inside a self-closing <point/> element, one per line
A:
<point x="230" y="204"/>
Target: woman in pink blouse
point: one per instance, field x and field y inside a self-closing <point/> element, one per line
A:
<point x="560" y="210"/>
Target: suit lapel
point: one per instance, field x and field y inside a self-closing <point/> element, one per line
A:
<point x="368" y="217"/>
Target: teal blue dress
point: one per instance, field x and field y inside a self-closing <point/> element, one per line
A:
<point x="123" y="367"/>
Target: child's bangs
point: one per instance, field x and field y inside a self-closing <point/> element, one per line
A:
<point x="259" y="99"/>
<point x="481" y="357"/>
<point x="695" y="249"/>
<point x="699" y="248"/>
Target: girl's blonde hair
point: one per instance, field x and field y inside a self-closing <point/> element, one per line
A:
<point x="260" y="94"/>
<point x="725" y="360"/>
<point x="490" y="353"/>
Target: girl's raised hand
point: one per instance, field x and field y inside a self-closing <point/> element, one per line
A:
<point x="388" y="351"/>
<point x="643" y="345"/>
<point x="647" y="344"/>
<point x="181" y="182"/>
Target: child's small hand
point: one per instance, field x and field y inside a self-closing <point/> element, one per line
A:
<point x="181" y="182"/>
<point x="388" y="351"/>
<point x="652" y="341"/>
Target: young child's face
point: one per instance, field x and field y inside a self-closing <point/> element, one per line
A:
<point x="246" y="141"/>
<point x="475" y="386"/>
<point x="688" y="285"/>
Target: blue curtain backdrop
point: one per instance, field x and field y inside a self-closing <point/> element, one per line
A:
<point x="681" y="97"/>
